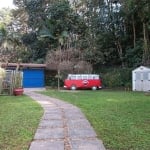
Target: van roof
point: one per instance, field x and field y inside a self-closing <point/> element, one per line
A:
<point x="84" y="74"/>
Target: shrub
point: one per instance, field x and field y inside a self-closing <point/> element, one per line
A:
<point x="53" y="82"/>
<point x="117" y="77"/>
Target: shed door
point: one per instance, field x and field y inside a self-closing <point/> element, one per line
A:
<point x="142" y="82"/>
<point x="33" y="78"/>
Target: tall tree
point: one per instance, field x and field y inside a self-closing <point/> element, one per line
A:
<point x="10" y="43"/>
<point x="112" y="32"/>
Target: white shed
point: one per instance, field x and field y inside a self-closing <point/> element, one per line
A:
<point x="141" y="79"/>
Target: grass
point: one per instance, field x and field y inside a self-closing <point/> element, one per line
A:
<point x="120" y="119"/>
<point x="19" y="118"/>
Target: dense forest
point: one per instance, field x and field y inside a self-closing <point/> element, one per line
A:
<point x="75" y="33"/>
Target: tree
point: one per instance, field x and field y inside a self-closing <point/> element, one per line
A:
<point x="9" y="40"/>
<point x="106" y="32"/>
<point x="66" y="62"/>
<point x="139" y="12"/>
<point x="50" y="23"/>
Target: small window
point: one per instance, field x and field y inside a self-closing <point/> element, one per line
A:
<point x="90" y="77"/>
<point x="73" y="77"/>
<point x="96" y="77"/>
<point x="84" y="77"/>
<point x="79" y="77"/>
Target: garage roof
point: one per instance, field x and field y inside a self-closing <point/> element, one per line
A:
<point x="23" y="65"/>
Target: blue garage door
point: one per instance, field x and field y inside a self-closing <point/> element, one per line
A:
<point x="33" y="78"/>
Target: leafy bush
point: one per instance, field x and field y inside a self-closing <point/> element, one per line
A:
<point x="112" y="79"/>
<point x="117" y="77"/>
<point x="53" y="82"/>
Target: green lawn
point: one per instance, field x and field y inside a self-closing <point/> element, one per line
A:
<point x="19" y="118"/>
<point x="121" y="119"/>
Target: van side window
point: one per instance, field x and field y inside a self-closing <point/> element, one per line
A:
<point x="73" y="77"/>
<point x="79" y="77"/>
<point x="96" y="77"/>
<point x="84" y="77"/>
<point x="90" y="77"/>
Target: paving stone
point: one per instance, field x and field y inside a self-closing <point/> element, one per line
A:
<point x="52" y="110"/>
<point x="45" y="102"/>
<point x="52" y="117"/>
<point x="49" y="133"/>
<point x="68" y="106"/>
<point x="78" y="123"/>
<point x="59" y="103"/>
<point x="65" y="105"/>
<point x="47" y="145"/>
<point x="49" y="105"/>
<point x="52" y="113"/>
<point x="49" y="111"/>
<point x="51" y="124"/>
<point x="81" y="133"/>
<point x="73" y="109"/>
<point x="87" y="144"/>
<point x="73" y="116"/>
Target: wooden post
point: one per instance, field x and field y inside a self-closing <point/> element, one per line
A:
<point x="58" y="80"/>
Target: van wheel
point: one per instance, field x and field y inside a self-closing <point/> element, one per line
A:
<point x="73" y="87"/>
<point x="94" y="88"/>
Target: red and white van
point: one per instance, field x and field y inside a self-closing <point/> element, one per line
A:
<point x="83" y="81"/>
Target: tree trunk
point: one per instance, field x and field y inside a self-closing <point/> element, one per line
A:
<point x="146" y="54"/>
<point x="58" y="79"/>
<point x="120" y="51"/>
<point x="134" y="31"/>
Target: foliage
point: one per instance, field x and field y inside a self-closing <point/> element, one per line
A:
<point x="116" y="77"/>
<point x="17" y="124"/>
<point x="11" y="46"/>
<point x="112" y="79"/>
<point x="67" y="61"/>
<point x="5" y="16"/>
<point x="119" y="118"/>
<point x="51" y="81"/>
<point x="112" y="32"/>
<point x="134" y="55"/>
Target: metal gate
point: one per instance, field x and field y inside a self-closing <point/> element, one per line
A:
<point x="7" y="84"/>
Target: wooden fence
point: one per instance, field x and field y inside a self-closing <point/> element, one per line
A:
<point x="11" y="80"/>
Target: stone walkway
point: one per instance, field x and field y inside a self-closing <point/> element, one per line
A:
<point x="62" y="127"/>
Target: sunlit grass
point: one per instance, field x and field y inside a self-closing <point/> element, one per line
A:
<point x="19" y="118"/>
<point x="121" y="119"/>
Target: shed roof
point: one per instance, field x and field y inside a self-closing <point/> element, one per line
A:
<point x="141" y="69"/>
<point x="23" y="65"/>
